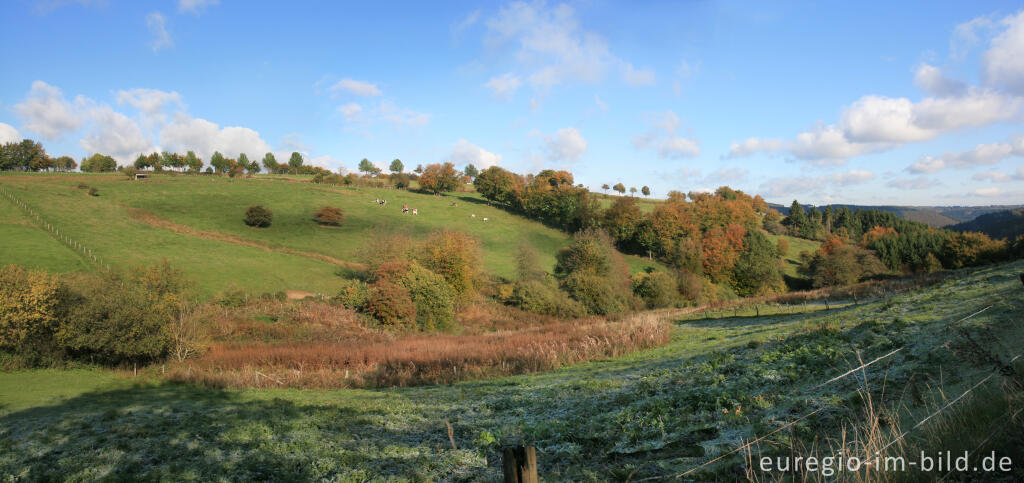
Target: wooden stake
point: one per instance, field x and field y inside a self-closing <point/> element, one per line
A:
<point x="519" y="464"/>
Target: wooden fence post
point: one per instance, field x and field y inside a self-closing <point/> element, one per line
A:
<point x="519" y="464"/>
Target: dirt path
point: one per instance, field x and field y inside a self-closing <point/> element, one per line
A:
<point x="153" y="220"/>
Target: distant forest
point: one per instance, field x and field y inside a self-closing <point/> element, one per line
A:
<point x="1008" y="224"/>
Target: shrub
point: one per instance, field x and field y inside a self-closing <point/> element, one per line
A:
<point x="690" y="285"/>
<point x="657" y="289"/>
<point x="233" y="297"/>
<point x="540" y="297"/>
<point x="594" y="292"/>
<point x="391" y="305"/>
<point x="93" y="191"/>
<point x="258" y="216"/>
<point x="129" y="172"/>
<point x="329" y="216"/>
<point x="843" y="265"/>
<point x="391" y="272"/>
<point x="433" y="297"/>
<point x="126" y="320"/>
<point x="32" y="303"/>
<point x="782" y="247"/>
<point x="353" y="294"/>
<point x="456" y="257"/>
<point x="591" y="251"/>
<point x="400" y="180"/>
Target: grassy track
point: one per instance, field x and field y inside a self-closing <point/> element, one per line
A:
<point x="215" y="204"/>
<point x="656" y="412"/>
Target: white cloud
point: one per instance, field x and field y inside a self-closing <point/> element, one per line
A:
<point x="753" y="145"/>
<point x="150" y="102"/>
<point x="600" y="104"/>
<point x="114" y="134"/>
<point x="997" y="177"/>
<point x="930" y="79"/>
<point x="987" y="192"/>
<point x="792" y="186"/>
<point x="727" y="175"/>
<point x="400" y="116"/>
<point x="350" y="111"/>
<point x="918" y="183"/>
<point x="828" y="145"/>
<point x="675" y="147"/>
<point x="47" y="113"/>
<point x="157" y="25"/>
<point x="468" y="21"/>
<point x="464" y="152"/>
<point x="326" y="161"/>
<point x="851" y="177"/>
<point x="504" y="86"/>
<point x="637" y="77"/>
<point x="195" y="6"/>
<point x="359" y="88"/>
<point x="662" y="137"/>
<point x="927" y="164"/>
<point x="878" y="123"/>
<point x="684" y="71"/>
<point x="8" y="134"/>
<point x="205" y="137"/>
<point x="1003" y="63"/>
<point x="993" y="176"/>
<point x="965" y="35"/>
<point x="980" y="155"/>
<point x="567" y="144"/>
<point x="553" y="48"/>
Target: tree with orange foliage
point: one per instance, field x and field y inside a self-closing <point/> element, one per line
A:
<point x="440" y="178"/>
<point x="875" y="234"/>
<point x="721" y="249"/>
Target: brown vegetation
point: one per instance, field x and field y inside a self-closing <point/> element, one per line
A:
<point x="419" y="359"/>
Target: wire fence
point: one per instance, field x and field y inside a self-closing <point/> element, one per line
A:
<point x="57" y="233"/>
<point x="811" y="413"/>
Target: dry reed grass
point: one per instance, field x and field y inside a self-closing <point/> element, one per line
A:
<point x="419" y="359"/>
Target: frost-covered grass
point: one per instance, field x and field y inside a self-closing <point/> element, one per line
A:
<point x="655" y="412"/>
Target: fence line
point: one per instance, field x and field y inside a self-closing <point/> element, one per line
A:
<point x="801" y="418"/>
<point x="940" y="410"/>
<point x="56" y="233"/>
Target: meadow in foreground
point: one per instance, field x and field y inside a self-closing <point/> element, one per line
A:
<point x="656" y="412"/>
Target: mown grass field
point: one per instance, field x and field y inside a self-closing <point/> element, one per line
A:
<point x="658" y="412"/>
<point x="123" y="237"/>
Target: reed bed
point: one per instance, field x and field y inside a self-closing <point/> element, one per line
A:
<point x="419" y="359"/>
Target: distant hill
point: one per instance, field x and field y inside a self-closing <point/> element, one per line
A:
<point x="1001" y="224"/>
<point x="938" y="216"/>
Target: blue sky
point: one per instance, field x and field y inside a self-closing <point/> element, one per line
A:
<point x="885" y="103"/>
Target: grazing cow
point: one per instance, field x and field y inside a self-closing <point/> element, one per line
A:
<point x="415" y="211"/>
<point x="473" y="215"/>
<point x="405" y="208"/>
<point x="485" y="218"/>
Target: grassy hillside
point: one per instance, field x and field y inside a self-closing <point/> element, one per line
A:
<point x="195" y="222"/>
<point x="659" y="412"/>
<point x="796" y="245"/>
